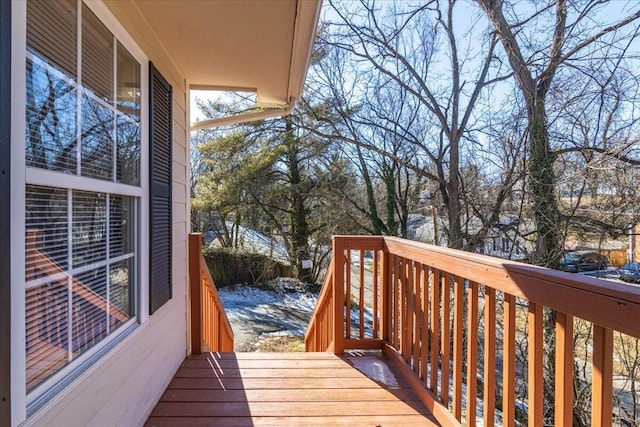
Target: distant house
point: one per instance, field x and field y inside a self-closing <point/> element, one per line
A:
<point x="505" y="240"/>
<point x="617" y="251"/>
<point x="425" y="231"/>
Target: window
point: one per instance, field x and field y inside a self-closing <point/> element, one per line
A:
<point x="83" y="192"/>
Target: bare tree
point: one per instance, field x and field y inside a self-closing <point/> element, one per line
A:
<point x="415" y="52"/>
<point x="556" y="34"/>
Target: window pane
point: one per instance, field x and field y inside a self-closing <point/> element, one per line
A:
<point x="97" y="139"/>
<point x="121" y="223"/>
<point x="51" y="119"/>
<point x="120" y="293"/>
<point x="52" y="33"/>
<point x="47" y="244"/>
<point x="128" y="154"/>
<point x="89" y="309"/>
<point x="47" y="331"/>
<point x="97" y="56"/>
<point x="89" y="228"/>
<point x="128" y="84"/>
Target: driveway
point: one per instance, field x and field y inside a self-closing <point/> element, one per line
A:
<point x="281" y="306"/>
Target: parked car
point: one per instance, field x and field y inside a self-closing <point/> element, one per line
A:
<point x="583" y="261"/>
<point x="630" y="272"/>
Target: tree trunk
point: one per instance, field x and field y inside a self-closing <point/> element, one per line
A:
<point x="389" y="177"/>
<point x="376" y="223"/>
<point x="454" y="207"/>
<point x="299" y="225"/>
<point x="542" y="180"/>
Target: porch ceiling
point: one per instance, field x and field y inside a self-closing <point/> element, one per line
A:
<point x="262" y="46"/>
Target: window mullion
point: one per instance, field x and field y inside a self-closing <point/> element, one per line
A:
<point x="70" y="278"/>
<point x="108" y="266"/>
<point x="114" y="132"/>
<point x="79" y="91"/>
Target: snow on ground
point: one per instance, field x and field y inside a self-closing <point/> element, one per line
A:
<point x="283" y="307"/>
<point x="285" y="294"/>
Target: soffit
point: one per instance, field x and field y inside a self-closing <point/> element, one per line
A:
<point x="237" y="44"/>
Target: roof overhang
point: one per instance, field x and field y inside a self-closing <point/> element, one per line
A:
<point x="261" y="45"/>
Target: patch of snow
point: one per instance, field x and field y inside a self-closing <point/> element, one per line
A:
<point x="242" y="298"/>
<point x="375" y="369"/>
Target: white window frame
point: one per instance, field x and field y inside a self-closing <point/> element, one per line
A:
<point x="21" y="175"/>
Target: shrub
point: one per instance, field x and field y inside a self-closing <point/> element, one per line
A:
<point x="229" y="267"/>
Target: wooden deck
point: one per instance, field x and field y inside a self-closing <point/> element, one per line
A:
<point x="289" y="389"/>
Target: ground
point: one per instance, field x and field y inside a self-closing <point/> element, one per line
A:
<point x="271" y="317"/>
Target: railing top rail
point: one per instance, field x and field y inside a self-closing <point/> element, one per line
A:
<point x="609" y="304"/>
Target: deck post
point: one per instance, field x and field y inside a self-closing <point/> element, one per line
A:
<point x="338" y="295"/>
<point x="195" y="292"/>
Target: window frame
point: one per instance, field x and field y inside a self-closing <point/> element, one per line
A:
<point x="24" y="405"/>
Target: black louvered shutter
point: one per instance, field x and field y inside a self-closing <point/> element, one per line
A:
<point x="160" y="175"/>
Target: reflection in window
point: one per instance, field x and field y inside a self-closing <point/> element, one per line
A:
<point x="59" y="46"/>
<point x="128" y="154"/>
<point x="89" y="227"/>
<point x="97" y="139"/>
<point x="97" y="56"/>
<point x="89" y="314"/>
<point x="120" y="225"/>
<point x="51" y="119"/>
<point x="120" y="293"/>
<point x="71" y="308"/>
<point x="109" y="94"/>
<point x="47" y="228"/>
<point x="47" y="331"/>
<point x="128" y="89"/>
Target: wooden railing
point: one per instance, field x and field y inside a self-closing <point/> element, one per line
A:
<point x="320" y="335"/>
<point x="479" y="336"/>
<point x="210" y="327"/>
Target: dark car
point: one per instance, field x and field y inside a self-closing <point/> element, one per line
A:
<point x="584" y="261"/>
<point x="630" y="272"/>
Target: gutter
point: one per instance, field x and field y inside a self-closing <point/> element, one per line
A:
<point x="246" y="117"/>
<point x="305" y="25"/>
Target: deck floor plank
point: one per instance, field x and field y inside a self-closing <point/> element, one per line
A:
<point x="288" y="389"/>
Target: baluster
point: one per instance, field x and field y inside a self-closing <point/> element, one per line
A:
<point x="446" y="335"/>
<point x="417" y="317"/>
<point x="509" y="362"/>
<point x="472" y="353"/>
<point x="407" y="308"/>
<point x="602" y="394"/>
<point x="563" y="410"/>
<point x="535" y="398"/>
<point x="347" y="296"/>
<point x="434" y="282"/>
<point x="396" y="298"/>
<point x="458" y="322"/>
<point x="489" y="391"/>
<point x="376" y="324"/>
<point x="424" y="340"/>
<point x="361" y="295"/>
